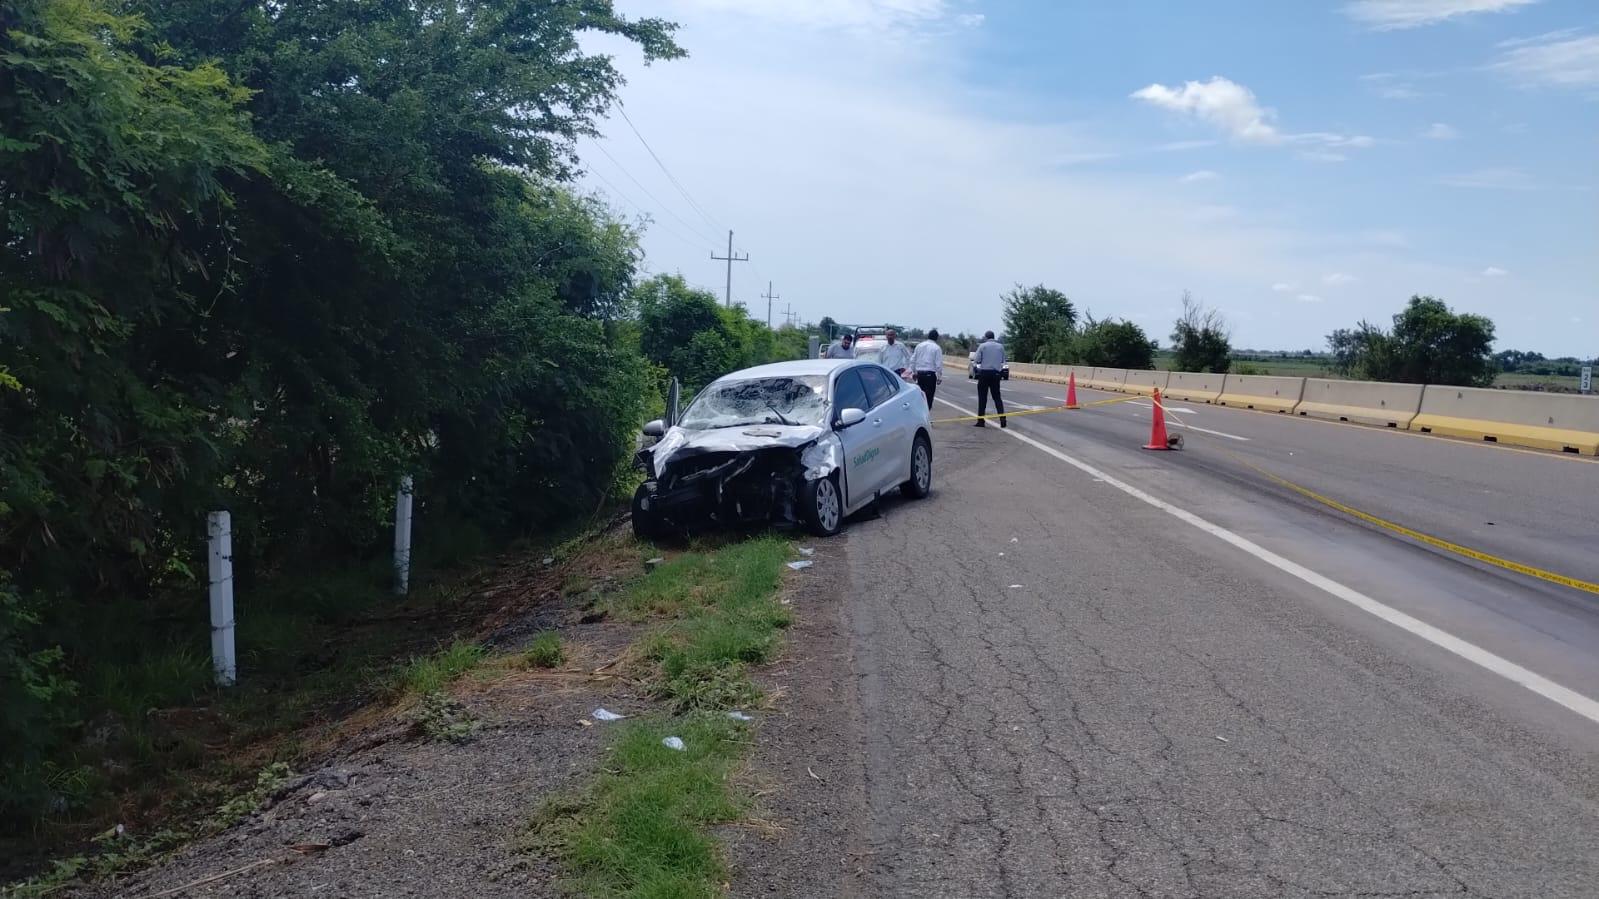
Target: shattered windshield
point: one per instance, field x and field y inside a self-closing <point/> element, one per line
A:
<point x="794" y="400"/>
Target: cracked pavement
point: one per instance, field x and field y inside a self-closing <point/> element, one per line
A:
<point x="1146" y="715"/>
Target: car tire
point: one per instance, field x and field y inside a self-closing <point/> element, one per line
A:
<point x="822" y="506"/>
<point x="921" y="482"/>
<point x="646" y="524"/>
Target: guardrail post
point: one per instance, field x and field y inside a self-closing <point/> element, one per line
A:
<point x="674" y="401"/>
<point x="219" y="538"/>
<point x="402" y="537"/>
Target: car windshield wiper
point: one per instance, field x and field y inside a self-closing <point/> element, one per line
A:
<point x="780" y="416"/>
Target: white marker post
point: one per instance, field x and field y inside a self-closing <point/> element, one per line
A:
<point x="402" y="538"/>
<point x="219" y="534"/>
<point x="1587" y="379"/>
<point x="674" y="402"/>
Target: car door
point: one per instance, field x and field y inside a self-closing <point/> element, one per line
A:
<point x="893" y="408"/>
<point x="863" y="442"/>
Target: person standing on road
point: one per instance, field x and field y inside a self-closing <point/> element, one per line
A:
<point x="843" y="349"/>
<point x="990" y="361"/>
<point x="896" y="358"/>
<point x="928" y="364"/>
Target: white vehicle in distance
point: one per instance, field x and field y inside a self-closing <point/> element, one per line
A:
<point x="811" y="442"/>
<point x="971" y="368"/>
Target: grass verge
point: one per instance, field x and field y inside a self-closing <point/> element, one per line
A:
<point x="640" y="828"/>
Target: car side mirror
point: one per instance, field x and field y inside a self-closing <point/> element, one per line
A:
<point x="849" y="418"/>
<point x="656" y="428"/>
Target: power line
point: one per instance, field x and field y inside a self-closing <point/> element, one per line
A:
<point x="667" y="209"/>
<point x="669" y="176"/>
<point x="693" y="242"/>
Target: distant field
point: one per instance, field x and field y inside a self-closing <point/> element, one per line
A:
<point x="1315" y="367"/>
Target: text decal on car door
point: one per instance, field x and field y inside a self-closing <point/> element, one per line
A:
<point x="865" y="457"/>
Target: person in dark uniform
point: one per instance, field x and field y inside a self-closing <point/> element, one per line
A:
<point x="990" y="362"/>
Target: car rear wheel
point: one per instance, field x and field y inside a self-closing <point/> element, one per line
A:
<point x="921" y="482"/>
<point x="822" y="506"/>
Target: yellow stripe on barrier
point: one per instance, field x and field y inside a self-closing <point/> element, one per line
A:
<point x="1430" y="540"/>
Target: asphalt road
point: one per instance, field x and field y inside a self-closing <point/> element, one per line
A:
<point x="1067" y="690"/>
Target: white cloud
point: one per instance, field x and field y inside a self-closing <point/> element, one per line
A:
<point x="1399" y="92"/>
<point x="1440" y="131"/>
<point x="1337" y="278"/>
<point x="1494" y="271"/>
<point x="1201" y="175"/>
<point x="1308" y="298"/>
<point x="1554" y="60"/>
<point x="1284" y="287"/>
<point x="1220" y="102"/>
<point x="971" y="20"/>
<point x="1232" y="107"/>
<point x="1491" y="179"/>
<point x="1322" y="156"/>
<point x="1179" y="145"/>
<point x="1385" y="15"/>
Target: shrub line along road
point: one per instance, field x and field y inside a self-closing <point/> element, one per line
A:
<point x="1069" y="691"/>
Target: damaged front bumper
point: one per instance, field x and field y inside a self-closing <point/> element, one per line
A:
<point x="733" y="477"/>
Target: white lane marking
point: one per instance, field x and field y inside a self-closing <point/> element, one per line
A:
<point x="1537" y="683"/>
<point x="1182" y="424"/>
<point x="1184" y="410"/>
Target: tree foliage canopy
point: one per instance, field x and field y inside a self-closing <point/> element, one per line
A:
<point x="269" y="257"/>
<point x="1035" y="318"/>
<point x="1429" y="344"/>
<point x="1201" y="341"/>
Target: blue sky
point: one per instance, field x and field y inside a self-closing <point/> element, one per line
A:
<point x="1299" y="165"/>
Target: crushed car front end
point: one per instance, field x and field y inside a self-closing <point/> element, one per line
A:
<point x="729" y="478"/>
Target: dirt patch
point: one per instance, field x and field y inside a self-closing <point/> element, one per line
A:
<point x="388" y="812"/>
<point x="806" y="769"/>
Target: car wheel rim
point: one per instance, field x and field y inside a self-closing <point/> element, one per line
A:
<point x="924" y="467"/>
<point x="827" y="504"/>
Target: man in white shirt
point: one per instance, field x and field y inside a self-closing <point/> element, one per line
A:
<point x="895" y="357"/>
<point x="990" y="362"/>
<point x="928" y="364"/>
<point x="843" y="349"/>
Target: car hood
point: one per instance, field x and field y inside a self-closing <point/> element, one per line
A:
<point x="679" y="441"/>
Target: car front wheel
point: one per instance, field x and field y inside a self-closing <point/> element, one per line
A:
<point x="822" y="506"/>
<point x="921" y="482"/>
<point x="646" y="524"/>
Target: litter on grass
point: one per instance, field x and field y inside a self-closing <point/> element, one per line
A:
<point x="1014" y="540"/>
<point x="674" y="743"/>
<point x="1015" y="586"/>
<point x="807" y="551"/>
<point x="607" y="715"/>
<point x="739" y="716"/>
<point x="800" y="565"/>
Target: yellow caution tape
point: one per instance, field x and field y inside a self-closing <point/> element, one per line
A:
<point x="1119" y="399"/>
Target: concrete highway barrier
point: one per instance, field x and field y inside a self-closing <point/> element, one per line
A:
<point x="1554" y="421"/>
<point x="1146" y="382"/>
<point x="1363" y="402"/>
<point x="1108" y="379"/>
<point x="1262" y="392"/>
<point x="1194" y="387"/>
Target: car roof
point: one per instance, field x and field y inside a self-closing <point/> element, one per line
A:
<point x="789" y="369"/>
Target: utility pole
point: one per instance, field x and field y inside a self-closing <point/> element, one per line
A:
<point x="769" y="298"/>
<point x="790" y="314"/>
<point x="730" y="259"/>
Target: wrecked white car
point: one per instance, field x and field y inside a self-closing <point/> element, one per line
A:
<point x="810" y="442"/>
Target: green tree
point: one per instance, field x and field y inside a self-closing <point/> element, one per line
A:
<point x="1200" y="339"/>
<point x="1429" y="344"/>
<point x="1114" y="344"/>
<point x="1035" y="318"/>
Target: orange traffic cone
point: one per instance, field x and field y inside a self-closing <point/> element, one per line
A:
<point x="1157" y="430"/>
<point x="1071" y="390"/>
